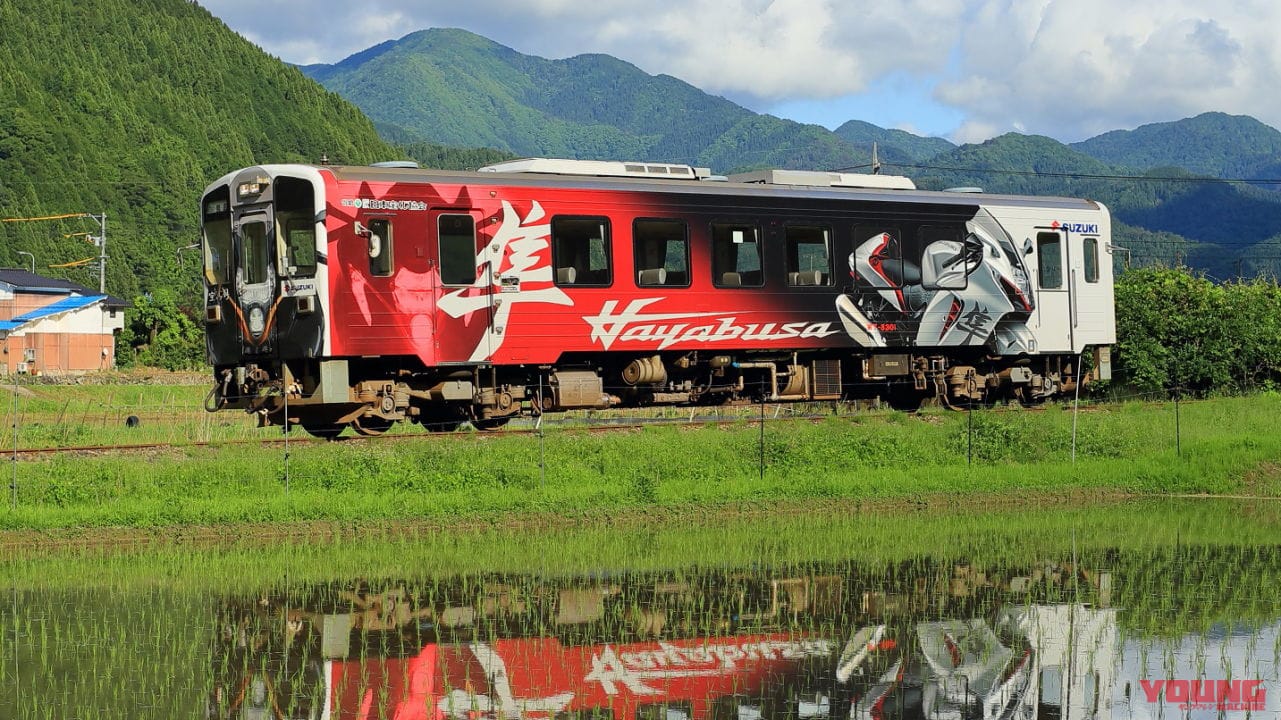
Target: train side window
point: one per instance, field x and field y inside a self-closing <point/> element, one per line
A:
<point x="217" y="234"/>
<point x="300" y="242"/>
<point x="1091" y="249"/>
<point x="456" y="242"/>
<point x="878" y="257"/>
<point x="662" y="252"/>
<point x="380" y="241"/>
<point x="736" y="255"/>
<point x="947" y="257"/>
<point x="809" y="259"/>
<point x="1049" y="254"/>
<point x="580" y="251"/>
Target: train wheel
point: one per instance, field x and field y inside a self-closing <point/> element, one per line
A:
<point x="490" y="423"/>
<point x="371" y="425"/>
<point x="323" y="430"/>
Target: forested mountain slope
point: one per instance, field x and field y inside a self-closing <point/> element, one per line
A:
<point x="1213" y="144"/>
<point x="457" y="88"/>
<point x="892" y="145"/>
<point x="131" y="107"/>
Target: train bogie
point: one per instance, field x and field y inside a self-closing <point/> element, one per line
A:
<point x="361" y="297"/>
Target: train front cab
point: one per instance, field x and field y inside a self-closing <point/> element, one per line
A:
<point x="1071" y="262"/>
<point x="266" y="288"/>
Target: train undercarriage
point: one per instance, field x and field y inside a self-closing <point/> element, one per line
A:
<point x="370" y="395"/>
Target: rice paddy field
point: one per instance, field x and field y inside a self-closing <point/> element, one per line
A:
<point x="795" y="563"/>
<point x="1142" y="608"/>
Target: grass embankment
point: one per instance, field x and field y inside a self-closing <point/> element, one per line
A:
<point x="51" y="416"/>
<point x="1228" y="446"/>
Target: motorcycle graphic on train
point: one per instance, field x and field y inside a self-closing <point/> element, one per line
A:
<point x="970" y="291"/>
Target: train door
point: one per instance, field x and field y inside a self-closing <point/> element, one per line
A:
<point x="1092" y="319"/>
<point x="1053" y="292"/>
<point x="468" y="288"/>
<point x="255" y="283"/>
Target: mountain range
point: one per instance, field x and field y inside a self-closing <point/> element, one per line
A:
<point x="132" y="107"/>
<point x="454" y="87"/>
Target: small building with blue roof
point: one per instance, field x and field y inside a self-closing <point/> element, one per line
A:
<point x="50" y="326"/>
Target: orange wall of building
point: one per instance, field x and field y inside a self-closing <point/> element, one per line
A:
<point x="57" y="353"/>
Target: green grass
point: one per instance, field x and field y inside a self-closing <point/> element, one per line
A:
<point x="1228" y="446"/>
<point x="50" y="416"/>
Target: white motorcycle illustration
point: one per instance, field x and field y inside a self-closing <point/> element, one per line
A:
<point x="973" y="292"/>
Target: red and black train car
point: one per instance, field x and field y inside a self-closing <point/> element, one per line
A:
<point x="361" y="296"/>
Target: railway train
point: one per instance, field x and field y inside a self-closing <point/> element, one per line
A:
<point x="342" y="296"/>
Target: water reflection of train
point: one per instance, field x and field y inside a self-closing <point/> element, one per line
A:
<point x="956" y="645"/>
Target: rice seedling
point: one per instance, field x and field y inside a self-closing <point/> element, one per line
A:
<point x="358" y="615"/>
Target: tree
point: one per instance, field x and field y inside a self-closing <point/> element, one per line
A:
<point x="159" y="334"/>
<point x="1179" y="330"/>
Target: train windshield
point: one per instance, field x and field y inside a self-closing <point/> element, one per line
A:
<point x="216" y="218"/>
<point x="255" y="248"/>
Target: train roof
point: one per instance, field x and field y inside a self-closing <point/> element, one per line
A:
<point x="809" y="185"/>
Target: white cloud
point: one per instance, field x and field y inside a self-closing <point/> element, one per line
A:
<point x="974" y="131"/>
<point x="1073" y="68"/>
<point x="788" y="49"/>
<point x="771" y="51"/>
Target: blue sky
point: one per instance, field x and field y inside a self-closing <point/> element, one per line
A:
<point x="967" y="70"/>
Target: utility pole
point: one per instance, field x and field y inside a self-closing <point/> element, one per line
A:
<point x="102" y="251"/>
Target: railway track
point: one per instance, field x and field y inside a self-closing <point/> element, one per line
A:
<point x="773" y="414"/>
<point x="303" y="439"/>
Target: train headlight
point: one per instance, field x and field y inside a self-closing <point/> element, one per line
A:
<point x="252" y="187"/>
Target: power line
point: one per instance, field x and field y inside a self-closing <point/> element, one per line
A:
<point x="46" y="217"/>
<point x="78" y="182"/>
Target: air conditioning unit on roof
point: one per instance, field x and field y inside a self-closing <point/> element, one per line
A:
<point x="820" y="178"/>
<point x="599" y="168"/>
